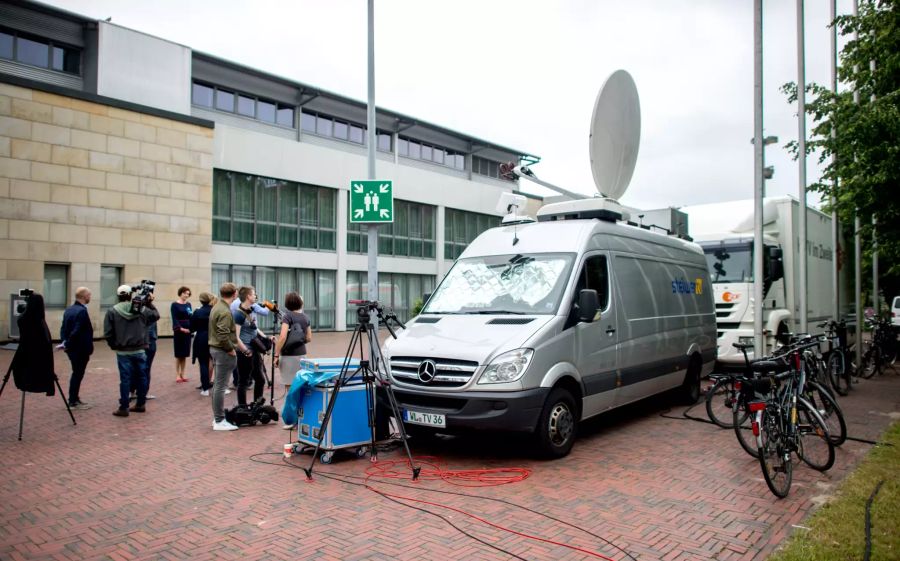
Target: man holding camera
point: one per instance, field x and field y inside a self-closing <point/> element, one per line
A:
<point x="126" y="329"/>
<point x="77" y="335"/>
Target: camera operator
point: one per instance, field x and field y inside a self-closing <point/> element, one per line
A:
<point x="126" y="330"/>
<point x="259" y="310"/>
<point x="77" y="336"/>
<point x="248" y="363"/>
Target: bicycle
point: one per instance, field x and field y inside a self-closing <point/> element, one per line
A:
<point x="786" y="423"/>
<point x="720" y="398"/>
<point x="881" y="350"/>
<point x="838" y="365"/>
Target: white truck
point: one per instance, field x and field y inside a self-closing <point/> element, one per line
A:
<point x="725" y="232"/>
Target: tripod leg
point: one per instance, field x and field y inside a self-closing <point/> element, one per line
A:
<point x="22" y="416"/>
<point x="6" y="378"/>
<point x="375" y="352"/>
<point x="65" y="401"/>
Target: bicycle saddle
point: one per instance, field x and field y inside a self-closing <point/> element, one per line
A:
<point x="775" y="366"/>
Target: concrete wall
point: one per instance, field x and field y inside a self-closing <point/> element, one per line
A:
<point x="86" y="185"/>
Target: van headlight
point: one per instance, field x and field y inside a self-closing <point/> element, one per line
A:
<point x="507" y="367"/>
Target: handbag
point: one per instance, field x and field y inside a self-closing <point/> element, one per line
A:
<point x="261" y="345"/>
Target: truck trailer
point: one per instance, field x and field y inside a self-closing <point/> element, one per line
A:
<point x="725" y="232"/>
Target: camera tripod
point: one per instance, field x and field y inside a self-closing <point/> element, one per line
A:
<point x="373" y="372"/>
<point x="22" y="410"/>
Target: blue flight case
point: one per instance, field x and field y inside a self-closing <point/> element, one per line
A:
<point x="349" y="423"/>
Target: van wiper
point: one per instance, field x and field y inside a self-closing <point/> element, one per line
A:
<point x="499" y="312"/>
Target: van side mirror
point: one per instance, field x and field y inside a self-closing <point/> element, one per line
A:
<point x="588" y="304"/>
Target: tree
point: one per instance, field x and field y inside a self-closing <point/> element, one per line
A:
<point x="864" y="177"/>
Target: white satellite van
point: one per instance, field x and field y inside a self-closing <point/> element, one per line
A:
<point x="541" y="325"/>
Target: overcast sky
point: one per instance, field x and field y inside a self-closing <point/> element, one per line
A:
<point x="525" y="74"/>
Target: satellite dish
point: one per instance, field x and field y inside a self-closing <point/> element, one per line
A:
<point x="615" y="134"/>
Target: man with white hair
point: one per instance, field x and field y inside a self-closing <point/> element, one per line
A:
<point x="77" y="336"/>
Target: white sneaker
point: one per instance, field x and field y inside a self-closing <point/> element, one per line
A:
<point x="288" y="427"/>
<point x="223" y="425"/>
<point x="227" y="391"/>
<point x="204" y="393"/>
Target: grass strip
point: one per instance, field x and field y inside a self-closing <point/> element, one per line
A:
<point x="837" y="529"/>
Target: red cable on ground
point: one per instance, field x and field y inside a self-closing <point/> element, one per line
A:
<point x="521" y="534"/>
<point x="433" y="469"/>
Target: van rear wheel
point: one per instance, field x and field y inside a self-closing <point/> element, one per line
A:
<point x="557" y="425"/>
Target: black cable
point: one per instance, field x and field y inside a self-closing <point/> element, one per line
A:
<point x="686" y="417"/>
<point x="503" y="501"/>
<point x="869" y="521"/>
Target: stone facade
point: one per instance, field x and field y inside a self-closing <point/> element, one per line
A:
<point x="86" y="184"/>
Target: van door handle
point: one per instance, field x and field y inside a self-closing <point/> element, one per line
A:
<point x="610" y="330"/>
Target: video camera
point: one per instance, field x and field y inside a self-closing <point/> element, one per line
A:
<point x="141" y="295"/>
<point x="365" y="307"/>
<point x="24" y="293"/>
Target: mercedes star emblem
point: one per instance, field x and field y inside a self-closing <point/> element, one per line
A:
<point x="427" y="370"/>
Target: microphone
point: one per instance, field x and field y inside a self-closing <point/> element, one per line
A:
<point x="271" y="306"/>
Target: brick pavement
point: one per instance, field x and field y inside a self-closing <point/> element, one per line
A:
<point x="163" y="485"/>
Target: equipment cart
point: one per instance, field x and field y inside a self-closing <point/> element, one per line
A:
<point x="349" y="423"/>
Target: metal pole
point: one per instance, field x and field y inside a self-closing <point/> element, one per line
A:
<point x="835" y="228"/>
<point x="875" y="299"/>
<point x="857" y="244"/>
<point x="857" y="248"/>
<point x="370" y="138"/>
<point x="801" y="147"/>
<point x="758" y="148"/>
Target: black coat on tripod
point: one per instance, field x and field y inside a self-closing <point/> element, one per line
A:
<point x="32" y="364"/>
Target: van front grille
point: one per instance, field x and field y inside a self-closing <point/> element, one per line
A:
<point x="448" y="373"/>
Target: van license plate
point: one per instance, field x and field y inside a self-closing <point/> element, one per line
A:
<point x="427" y="419"/>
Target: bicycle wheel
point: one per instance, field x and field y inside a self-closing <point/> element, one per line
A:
<point x="774" y="454"/>
<point x="871" y="362"/>
<point x="827" y="406"/>
<point x="719" y="402"/>
<point x="837" y="373"/>
<point x="815" y="447"/>
<point x="743" y="430"/>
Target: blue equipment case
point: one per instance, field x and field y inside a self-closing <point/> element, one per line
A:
<point x="349" y="423"/>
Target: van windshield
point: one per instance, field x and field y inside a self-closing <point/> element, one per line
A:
<point x="503" y="284"/>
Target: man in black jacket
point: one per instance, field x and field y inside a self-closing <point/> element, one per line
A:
<point x="127" y="333"/>
<point x="77" y="336"/>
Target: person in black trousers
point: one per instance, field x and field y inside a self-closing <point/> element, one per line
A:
<point x="200" y="328"/>
<point x="77" y="336"/>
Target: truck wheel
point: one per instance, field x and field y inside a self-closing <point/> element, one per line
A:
<point x="557" y="425"/>
<point x="690" y="389"/>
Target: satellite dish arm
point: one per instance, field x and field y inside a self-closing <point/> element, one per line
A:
<point x="524" y="171"/>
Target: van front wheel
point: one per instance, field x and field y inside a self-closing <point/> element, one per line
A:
<point x="690" y="389"/>
<point x="558" y="424"/>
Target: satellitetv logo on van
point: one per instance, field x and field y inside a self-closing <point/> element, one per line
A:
<point x="682" y="286"/>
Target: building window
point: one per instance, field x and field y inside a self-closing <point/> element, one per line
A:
<point x="244" y="104"/>
<point x="416" y="150"/>
<point x="325" y="125"/>
<point x="489" y="168"/>
<point x="399" y="291"/>
<point x="110" y="280"/>
<point x="316" y="287"/>
<point x="461" y="227"/>
<point x="254" y="210"/>
<point x="56" y="283"/>
<point x="411" y="234"/>
<point x="43" y="53"/>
